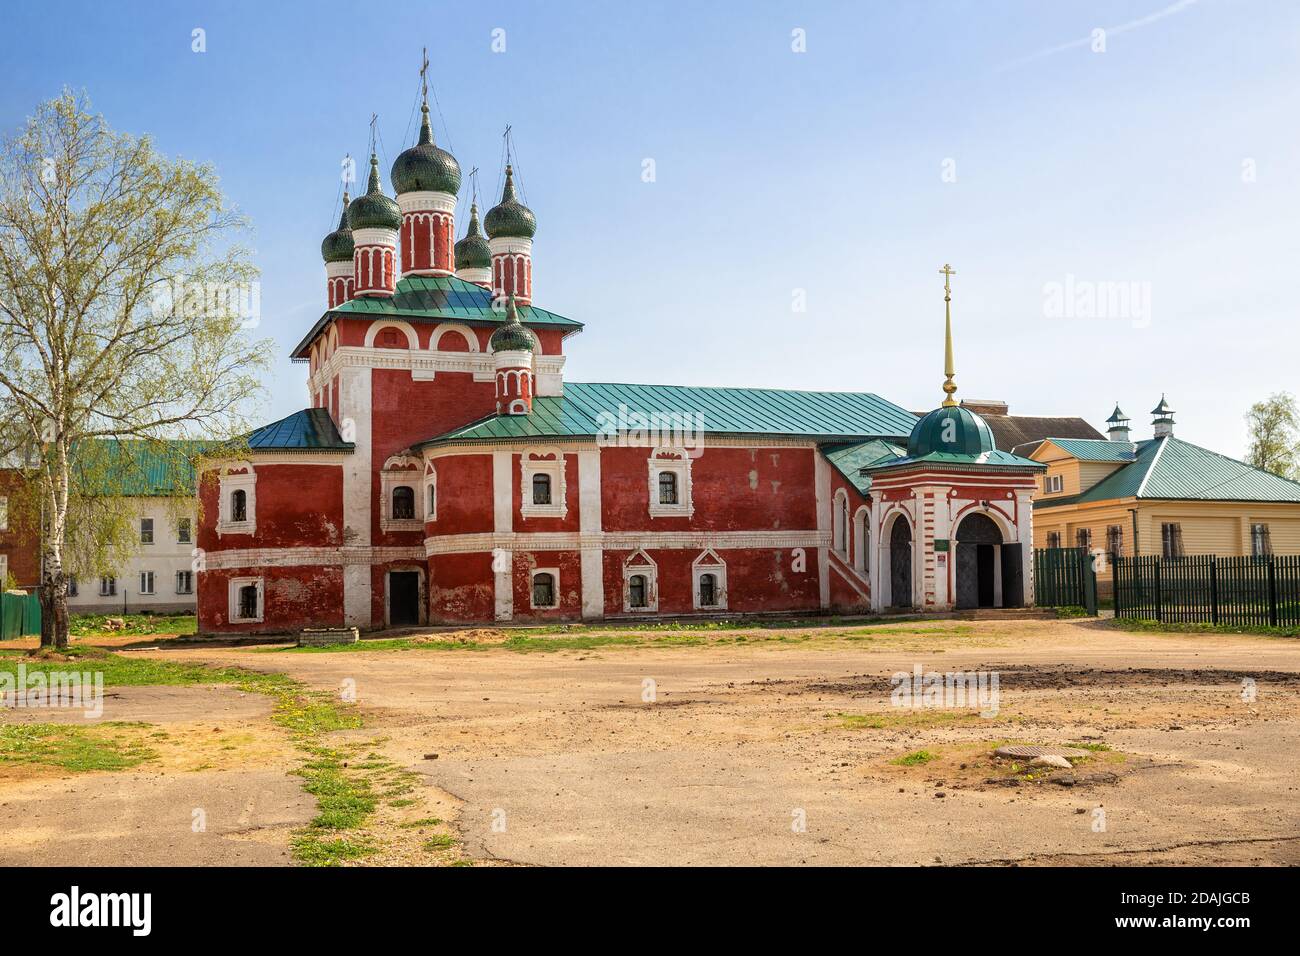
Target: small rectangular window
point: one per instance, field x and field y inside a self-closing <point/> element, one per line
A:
<point x="183" y="531"/>
<point x="1171" y="539"/>
<point x="1052" y="484"/>
<point x="184" y="582"/>
<point x="107" y="587"/>
<point x="543" y="589"/>
<point x="1053" y="539"/>
<point x="1115" y="540"/>
<point x="146" y="582"/>
<point x="146" y="530"/>
<point x="4" y="513"/>
<point x="1083" y="538"/>
<point x="72" y="585"/>
<point x="1261" y="545"/>
<point x="248" y="602"/>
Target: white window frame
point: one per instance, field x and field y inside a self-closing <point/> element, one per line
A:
<point x="430" y="493"/>
<point x="4" y="512"/>
<point x="1053" y="484"/>
<point x="638" y="562"/>
<point x="678" y="462"/>
<point x="234" y="586"/>
<point x="718" y="569"/>
<point x="4" y="569"/>
<point x="400" y="471"/>
<point x="540" y="462"/>
<point x="147" y="578"/>
<point x="861" y="540"/>
<point x="246" y="482"/>
<point x="190" y="589"/>
<point x="108" y="585"/>
<point x="555" y="588"/>
<point x="840" y="523"/>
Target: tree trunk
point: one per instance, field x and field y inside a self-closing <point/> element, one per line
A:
<point x="54" y="603"/>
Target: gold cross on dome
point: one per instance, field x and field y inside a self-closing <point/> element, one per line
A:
<point x="424" y="73"/>
<point x="947" y="272"/>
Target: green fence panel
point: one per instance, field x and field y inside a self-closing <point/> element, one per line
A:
<point x="1064" y="577"/>
<point x="20" y="615"/>
<point x="1208" y="589"/>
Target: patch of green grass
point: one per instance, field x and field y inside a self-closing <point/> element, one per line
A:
<point x="423" y="822"/>
<point x="1068" y="611"/>
<point x="910" y="719"/>
<point x="1094" y="747"/>
<point x="95" y="625"/>
<point x="68" y="747"/>
<point x="310" y="850"/>
<point x="439" y="841"/>
<point x="402" y="803"/>
<point x="915" y="759"/>
<point x="1171" y="627"/>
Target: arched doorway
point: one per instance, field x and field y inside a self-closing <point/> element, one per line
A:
<point x="900" y="563"/>
<point x="979" y="562"/>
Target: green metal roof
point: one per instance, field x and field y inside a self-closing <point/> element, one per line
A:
<point x="951" y="430"/>
<point x="420" y="299"/>
<point x="1091" y="449"/>
<point x="1170" y="468"/>
<point x="850" y="459"/>
<point x="136" y="468"/>
<point x="311" y="429"/>
<point x="589" y="410"/>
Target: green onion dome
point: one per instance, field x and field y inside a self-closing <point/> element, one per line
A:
<point x="424" y="167"/>
<point x="511" y="337"/>
<point x="337" y="246"/>
<point x="510" y="217"/>
<point x="950" y="430"/>
<point x="374" y="210"/>
<point x="473" y="252"/>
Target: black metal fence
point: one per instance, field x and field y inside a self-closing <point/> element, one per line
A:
<point x="1064" y="577"/>
<point x="1208" y="589"/>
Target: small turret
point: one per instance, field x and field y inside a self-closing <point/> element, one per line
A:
<point x="510" y="227"/>
<point x="374" y="220"/>
<point x="512" y="354"/>
<point x="1117" y="425"/>
<point x="473" y="254"/>
<point x="337" y="250"/>
<point x="1164" y="419"/>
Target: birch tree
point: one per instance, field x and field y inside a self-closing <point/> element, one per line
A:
<point x="127" y="313"/>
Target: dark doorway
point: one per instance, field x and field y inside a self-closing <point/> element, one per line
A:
<point x="403" y="598"/>
<point x="978" y="539"/>
<point x="900" y="564"/>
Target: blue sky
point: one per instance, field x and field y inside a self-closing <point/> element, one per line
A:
<point x="985" y="134"/>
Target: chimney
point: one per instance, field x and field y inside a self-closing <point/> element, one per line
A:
<point x="1117" y="425"/>
<point x="1164" y="419"/>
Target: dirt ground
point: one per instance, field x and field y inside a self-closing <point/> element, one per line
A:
<point x="783" y="748"/>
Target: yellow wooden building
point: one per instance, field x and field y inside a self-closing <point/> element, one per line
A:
<point x="1158" y="496"/>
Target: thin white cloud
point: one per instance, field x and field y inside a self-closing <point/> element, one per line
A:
<point x="1174" y="8"/>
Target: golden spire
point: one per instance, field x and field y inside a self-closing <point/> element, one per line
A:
<point x="949" y="386"/>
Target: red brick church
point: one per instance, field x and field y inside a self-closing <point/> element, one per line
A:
<point x="446" y="472"/>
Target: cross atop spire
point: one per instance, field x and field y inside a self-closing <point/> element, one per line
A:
<point x="424" y="76"/>
<point x="374" y="118"/>
<point x="949" y="386"/>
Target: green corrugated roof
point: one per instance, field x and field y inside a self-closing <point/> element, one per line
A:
<point x="136" y="468"/>
<point x="850" y="459"/>
<point x="420" y="299"/>
<point x="1171" y="468"/>
<point x="311" y="429"/>
<point x="763" y="411"/>
<point x="1090" y="449"/>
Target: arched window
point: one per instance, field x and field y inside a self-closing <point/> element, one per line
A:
<point x="239" y="505"/>
<point x="543" y="590"/>
<point x="708" y="590"/>
<point x="840" y="523"/>
<point x="403" y="502"/>
<point x="432" y="504"/>
<point x="636" y="590"/>
<point x="667" y="488"/>
<point x="541" y="489"/>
